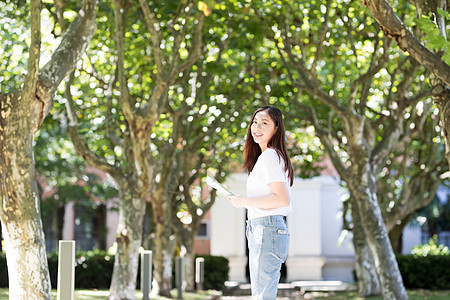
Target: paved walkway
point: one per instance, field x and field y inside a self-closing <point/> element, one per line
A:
<point x="248" y="298"/>
<point x="287" y="291"/>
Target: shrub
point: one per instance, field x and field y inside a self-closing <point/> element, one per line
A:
<point x="428" y="266"/>
<point x="431" y="248"/>
<point x="425" y="272"/>
<point x="3" y="270"/>
<point x="93" y="269"/>
<point x="216" y="272"/>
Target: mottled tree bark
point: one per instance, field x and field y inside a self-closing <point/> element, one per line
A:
<point x="163" y="244"/>
<point x="366" y="273"/>
<point x="21" y="114"/>
<point x="28" y="273"/>
<point x="100" y="226"/>
<point x="363" y="188"/>
<point x="129" y="239"/>
<point x="396" y="234"/>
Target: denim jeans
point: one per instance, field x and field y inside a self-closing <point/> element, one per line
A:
<point x="268" y="244"/>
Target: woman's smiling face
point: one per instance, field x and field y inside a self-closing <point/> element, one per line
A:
<point x="263" y="128"/>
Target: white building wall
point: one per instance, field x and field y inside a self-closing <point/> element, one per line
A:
<point x="305" y="258"/>
<point x="228" y="229"/>
<point x="112" y="219"/>
<point x="411" y="237"/>
<point x="69" y="222"/>
<point x="337" y="247"/>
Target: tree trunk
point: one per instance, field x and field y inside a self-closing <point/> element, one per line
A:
<point x="100" y="226"/>
<point x="61" y="212"/>
<point x="368" y="281"/>
<point x="189" y="269"/>
<point x="163" y="245"/>
<point x="441" y="96"/>
<point x="149" y="236"/>
<point x="186" y="237"/>
<point x="432" y="230"/>
<point x="20" y="210"/>
<point x="21" y="114"/>
<point x="1" y="238"/>
<point x="363" y="189"/>
<point x="396" y="233"/>
<point x="129" y="238"/>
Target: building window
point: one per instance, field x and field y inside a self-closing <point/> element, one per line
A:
<point x="203" y="230"/>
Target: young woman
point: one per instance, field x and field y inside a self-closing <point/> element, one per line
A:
<point x="268" y="200"/>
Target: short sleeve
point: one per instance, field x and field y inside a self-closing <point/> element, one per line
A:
<point x="274" y="167"/>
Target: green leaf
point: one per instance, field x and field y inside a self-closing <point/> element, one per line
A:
<point x="446" y="57"/>
<point x="437" y="42"/>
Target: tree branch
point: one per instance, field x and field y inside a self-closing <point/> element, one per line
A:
<point x="325" y="138"/>
<point x="30" y="82"/>
<point x="157" y="102"/>
<point x="323" y="32"/>
<point x="110" y="127"/>
<point x="59" y="6"/>
<point x="72" y="47"/>
<point x="155" y="34"/>
<point x="63" y="61"/>
<point x="194" y="52"/>
<point x="125" y="101"/>
<point x="80" y="146"/>
<point x="394" y="130"/>
<point x="394" y="28"/>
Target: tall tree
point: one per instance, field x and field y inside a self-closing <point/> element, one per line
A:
<point x="429" y="46"/>
<point x="201" y="138"/>
<point x="339" y="71"/>
<point x="21" y="114"/>
<point x="117" y="103"/>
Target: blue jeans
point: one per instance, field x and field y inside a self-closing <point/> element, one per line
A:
<point x="268" y="244"/>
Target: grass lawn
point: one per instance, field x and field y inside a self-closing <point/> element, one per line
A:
<point x="413" y="295"/>
<point x="103" y="295"/>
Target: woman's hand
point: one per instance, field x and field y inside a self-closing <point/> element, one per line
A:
<point x="238" y="201"/>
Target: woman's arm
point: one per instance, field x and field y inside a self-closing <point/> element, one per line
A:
<point x="278" y="198"/>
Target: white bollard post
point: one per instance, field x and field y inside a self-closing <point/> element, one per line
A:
<point x="199" y="272"/>
<point x="146" y="273"/>
<point x="179" y="276"/>
<point x="66" y="270"/>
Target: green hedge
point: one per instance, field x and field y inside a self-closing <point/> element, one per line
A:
<point x="3" y="270"/>
<point x="216" y="272"/>
<point x="94" y="270"/>
<point x="425" y="272"/>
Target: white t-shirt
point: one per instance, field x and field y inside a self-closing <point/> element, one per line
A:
<point x="268" y="168"/>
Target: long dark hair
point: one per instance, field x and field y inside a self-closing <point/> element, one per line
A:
<point x="278" y="142"/>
